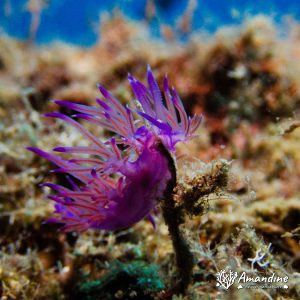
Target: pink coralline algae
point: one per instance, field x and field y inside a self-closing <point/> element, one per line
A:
<point x="121" y="181"/>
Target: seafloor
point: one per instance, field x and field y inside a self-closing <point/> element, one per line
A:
<point x="246" y="82"/>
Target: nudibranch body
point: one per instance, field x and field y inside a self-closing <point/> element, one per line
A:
<point x="121" y="181"/>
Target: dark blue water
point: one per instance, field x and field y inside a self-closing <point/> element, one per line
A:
<point x="75" y="21"/>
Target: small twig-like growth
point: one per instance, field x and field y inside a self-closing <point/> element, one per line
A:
<point x="188" y="198"/>
<point x="174" y="217"/>
<point x="193" y="192"/>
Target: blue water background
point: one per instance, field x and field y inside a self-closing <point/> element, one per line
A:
<point x="75" y="21"/>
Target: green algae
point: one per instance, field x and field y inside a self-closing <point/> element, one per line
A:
<point x="134" y="280"/>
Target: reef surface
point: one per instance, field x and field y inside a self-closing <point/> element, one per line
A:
<point x="245" y="80"/>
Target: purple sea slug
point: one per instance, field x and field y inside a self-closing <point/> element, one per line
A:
<point x="121" y="181"/>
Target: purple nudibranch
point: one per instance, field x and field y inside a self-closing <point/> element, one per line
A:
<point x="117" y="188"/>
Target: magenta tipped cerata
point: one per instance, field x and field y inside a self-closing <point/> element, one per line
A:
<point x="121" y="182"/>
